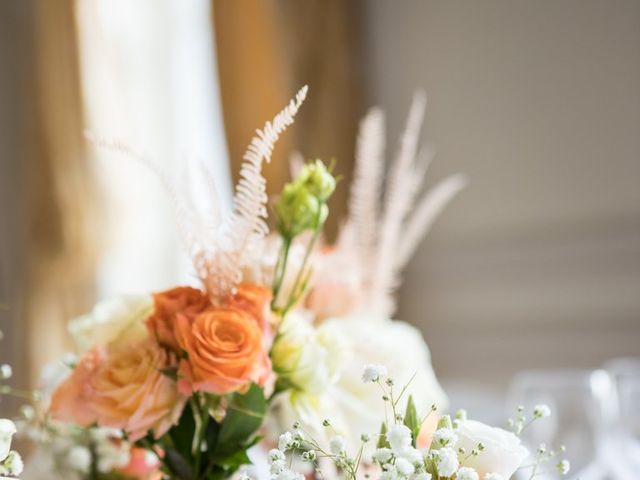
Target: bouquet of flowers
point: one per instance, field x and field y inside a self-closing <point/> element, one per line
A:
<point x="189" y="383"/>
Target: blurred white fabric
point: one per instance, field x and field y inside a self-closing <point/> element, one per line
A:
<point x="150" y="80"/>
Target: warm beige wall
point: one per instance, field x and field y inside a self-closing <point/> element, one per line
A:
<point x="538" y="263"/>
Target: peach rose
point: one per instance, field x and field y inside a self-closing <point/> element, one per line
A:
<point x="70" y="400"/>
<point x="129" y="391"/>
<point x="184" y="302"/>
<point x="225" y="349"/>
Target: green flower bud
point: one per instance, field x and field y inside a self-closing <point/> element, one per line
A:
<point x="302" y="204"/>
<point x="318" y="180"/>
<point x="298" y="210"/>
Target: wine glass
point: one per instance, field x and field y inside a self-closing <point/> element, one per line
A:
<point x="624" y="445"/>
<point x="581" y="406"/>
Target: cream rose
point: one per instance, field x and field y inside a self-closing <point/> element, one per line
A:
<point x="129" y="391"/>
<point x="7" y="431"/>
<point x="503" y="452"/>
<point x="112" y="321"/>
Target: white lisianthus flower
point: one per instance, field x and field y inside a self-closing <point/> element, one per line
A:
<point x="7" y="431"/>
<point x="355" y="406"/>
<point x="373" y="373"/>
<point x="467" y="473"/>
<point x="447" y="462"/>
<point x="112" y="321"/>
<point x="503" y="452"/>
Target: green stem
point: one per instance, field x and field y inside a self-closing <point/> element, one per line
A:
<point x="295" y="295"/>
<point x="204" y="423"/>
<point x="281" y="268"/>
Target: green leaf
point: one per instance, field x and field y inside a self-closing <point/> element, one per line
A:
<point x="171" y="372"/>
<point x="411" y="420"/>
<point x="234" y="460"/>
<point x="382" y="439"/>
<point x="245" y="414"/>
<point x="178" y="464"/>
<point x="183" y="433"/>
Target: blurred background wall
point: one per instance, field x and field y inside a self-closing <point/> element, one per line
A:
<point x="536" y="264"/>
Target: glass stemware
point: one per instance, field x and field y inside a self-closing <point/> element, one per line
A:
<point x="624" y="444"/>
<point x="582" y="407"/>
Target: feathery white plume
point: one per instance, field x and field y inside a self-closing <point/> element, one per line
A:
<point x="248" y="224"/>
<point x="401" y="189"/>
<point x="428" y="209"/>
<point x="220" y="249"/>
<point x="384" y="241"/>
<point x="365" y="197"/>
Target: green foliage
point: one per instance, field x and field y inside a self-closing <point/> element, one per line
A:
<point x="224" y="447"/>
<point x="382" y="439"/>
<point x="411" y="420"/>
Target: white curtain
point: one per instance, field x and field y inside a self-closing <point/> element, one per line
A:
<point x="150" y="79"/>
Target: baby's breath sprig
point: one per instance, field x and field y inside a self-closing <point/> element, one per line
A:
<point x="543" y="455"/>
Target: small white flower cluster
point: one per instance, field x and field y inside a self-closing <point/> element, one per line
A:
<point x="10" y="461"/>
<point x="373" y="373"/>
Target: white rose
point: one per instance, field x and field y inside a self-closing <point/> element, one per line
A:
<point x="112" y="321"/>
<point x="358" y="407"/>
<point x="503" y="452"/>
<point x="7" y="431"/>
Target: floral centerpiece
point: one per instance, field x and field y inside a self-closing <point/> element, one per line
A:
<point x="192" y="383"/>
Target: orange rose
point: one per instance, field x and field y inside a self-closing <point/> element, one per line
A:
<point x="225" y="346"/>
<point x="169" y="305"/>
<point x="70" y="401"/>
<point x="255" y="300"/>
<point x="131" y="393"/>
